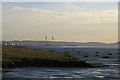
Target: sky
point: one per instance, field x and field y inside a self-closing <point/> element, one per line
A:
<point x="65" y="21"/>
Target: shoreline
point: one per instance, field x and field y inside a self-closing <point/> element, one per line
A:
<point x="15" y="57"/>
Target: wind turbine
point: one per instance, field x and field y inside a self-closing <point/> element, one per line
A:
<point x="52" y="38"/>
<point x="46" y="38"/>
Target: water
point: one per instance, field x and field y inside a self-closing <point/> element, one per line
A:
<point x="108" y="72"/>
<point x="83" y="73"/>
<point x="94" y="53"/>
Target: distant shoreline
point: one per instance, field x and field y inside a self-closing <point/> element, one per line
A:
<point x="57" y="43"/>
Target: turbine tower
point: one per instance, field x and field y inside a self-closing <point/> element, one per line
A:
<point x="46" y="38"/>
<point x="52" y="38"/>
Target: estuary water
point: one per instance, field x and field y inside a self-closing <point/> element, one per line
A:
<point x="91" y="54"/>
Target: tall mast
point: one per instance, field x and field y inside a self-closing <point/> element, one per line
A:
<point x="45" y="38"/>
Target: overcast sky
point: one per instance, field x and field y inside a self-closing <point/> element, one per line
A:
<point x="83" y="22"/>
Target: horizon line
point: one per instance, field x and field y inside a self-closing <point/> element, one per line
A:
<point x="63" y="41"/>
